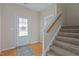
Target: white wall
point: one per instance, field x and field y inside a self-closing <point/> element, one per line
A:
<point x="9" y="13"/>
<point x="72" y="14"/>
<point x="0" y="26"/>
<point x="51" y="10"/>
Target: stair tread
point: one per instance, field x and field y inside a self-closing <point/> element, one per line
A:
<point x="67" y="34"/>
<point x="67" y="46"/>
<point x="61" y="51"/>
<point x="50" y="53"/>
<point x="68" y="39"/>
<point x="70" y="27"/>
<point x="71" y="31"/>
<point x="66" y="43"/>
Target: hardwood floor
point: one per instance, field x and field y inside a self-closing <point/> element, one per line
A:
<point x="12" y="52"/>
<point x="37" y="48"/>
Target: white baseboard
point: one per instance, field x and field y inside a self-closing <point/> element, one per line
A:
<point x="7" y="49"/>
<point x="34" y="42"/>
<point x="17" y="46"/>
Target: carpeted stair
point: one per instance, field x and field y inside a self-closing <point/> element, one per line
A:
<point x="66" y="43"/>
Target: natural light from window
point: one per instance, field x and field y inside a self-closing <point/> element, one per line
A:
<point x="23" y="27"/>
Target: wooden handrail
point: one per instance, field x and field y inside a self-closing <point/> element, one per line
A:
<point x="53" y="23"/>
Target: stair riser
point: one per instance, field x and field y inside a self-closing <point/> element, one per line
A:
<point x="55" y="52"/>
<point x="69" y="41"/>
<point x="69" y="35"/>
<point x="70" y="27"/>
<point x="70" y="31"/>
<point x="67" y="48"/>
<point x="61" y="52"/>
<point x="66" y="43"/>
<point x="51" y="53"/>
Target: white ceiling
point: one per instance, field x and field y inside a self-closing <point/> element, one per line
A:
<point x="36" y="6"/>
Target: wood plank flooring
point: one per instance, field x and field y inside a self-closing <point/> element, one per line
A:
<point x="37" y="48"/>
<point x="12" y="52"/>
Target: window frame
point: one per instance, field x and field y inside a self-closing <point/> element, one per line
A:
<point x="19" y="30"/>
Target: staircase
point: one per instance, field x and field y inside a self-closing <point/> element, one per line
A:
<point x="66" y="43"/>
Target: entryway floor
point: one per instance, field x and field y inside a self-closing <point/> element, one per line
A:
<point x="37" y="48"/>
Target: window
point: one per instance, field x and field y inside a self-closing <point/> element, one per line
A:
<point x="23" y="27"/>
